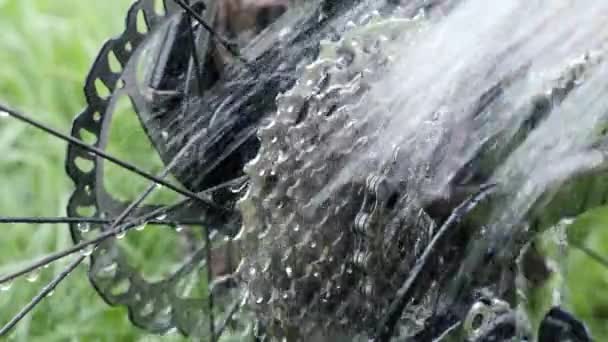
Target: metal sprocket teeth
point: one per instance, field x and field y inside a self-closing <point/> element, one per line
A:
<point x="314" y="245"/>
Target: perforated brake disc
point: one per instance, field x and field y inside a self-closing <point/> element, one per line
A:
<point x="151" y="30"/>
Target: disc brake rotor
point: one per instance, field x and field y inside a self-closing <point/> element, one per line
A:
<point x="152" y="28"/>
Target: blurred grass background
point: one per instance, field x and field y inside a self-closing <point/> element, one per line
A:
<point x="46" y="49"/>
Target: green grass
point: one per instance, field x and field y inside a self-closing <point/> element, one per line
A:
<point x="46" y="48"/>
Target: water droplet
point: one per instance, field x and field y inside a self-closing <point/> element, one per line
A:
<point x="284" y="32"/>
<point x="140" y="227"/>
<point x="32" y="276"/>
<point x="161" y="217"/>
<point x="179" y="228"/>
<point x="342" y="62"/>
<point x="321" y="16"/>
<point x="289" y="271"/>
<point x="360" y="258"/>
<point x="147" y="309"/>
<point x="88" y="250"/>
<point x="172" y="331"/>
<point x="50" y="293"/>
<point x="108" y="271"/>
<point x="316" y="274"/>
<point x="3" y="114"/>
<point x="238" y="188"/>
<point x="567" y="221"/>
<point x="6" y="286"/>
<point x="313" y="244"/>
<point x="167" y="310"/>
<point x="84" y="227"/>
<point x="46" y="266"/>
<point x="252" y="271"/>
<point x="121" y="234"/>
<point x="259" y="300"/>
<point x="164" y="134"/>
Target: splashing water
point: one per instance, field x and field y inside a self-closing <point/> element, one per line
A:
<point x="428" y="108"/>
<point x="505" y="93"/>
<point x="428" y="102"/>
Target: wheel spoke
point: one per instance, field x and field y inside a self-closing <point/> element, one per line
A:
<point x="41" y="295"/>
<point x="104" y="155"/>
<point x="387" y="324"/>
<point x="90" y="220"/>
<point x="230" y="47"/>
